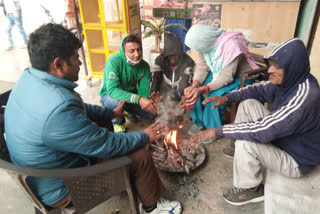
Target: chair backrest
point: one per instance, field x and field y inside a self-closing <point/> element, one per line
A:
<point x="86" y="192"/>
<point x="4" y="153"/>
<point x="19" y="179"/>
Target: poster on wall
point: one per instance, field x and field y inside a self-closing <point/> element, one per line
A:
<point x="207" y="14"/>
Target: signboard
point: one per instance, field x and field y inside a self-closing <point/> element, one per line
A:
<point x="134" y="17"/>
<point x="148" y="6"/>
<point x="207" y="14"/>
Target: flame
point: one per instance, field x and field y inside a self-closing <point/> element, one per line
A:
<point x="165" y="141"/>
<point x="180" y="126"/>
<point x="171" y="138"/>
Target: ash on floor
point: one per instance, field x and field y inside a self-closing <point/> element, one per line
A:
<point x="187" y="186"/>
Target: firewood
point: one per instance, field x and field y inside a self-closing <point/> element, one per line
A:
<point x="186" y="158"/>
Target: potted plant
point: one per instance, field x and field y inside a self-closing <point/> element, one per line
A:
<point x="158" y="28"/>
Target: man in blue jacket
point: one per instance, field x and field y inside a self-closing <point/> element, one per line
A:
<point x="285" y="139"/>
<point x="47" y="125"/>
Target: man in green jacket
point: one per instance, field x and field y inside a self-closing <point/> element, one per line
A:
<point x="127" y="77"/>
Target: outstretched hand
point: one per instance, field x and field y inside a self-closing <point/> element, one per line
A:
<point x="219" y="101"/>
<point x="191" y="95"/>
<point x="184" y="105"/>
<point x="155" y="131"/>
<point x="118" y="111"/>
<point x="155" y="97"/>
<point x="204" y="135"/>
<point x="188" y="89"/>
<point x="147" y="105"/>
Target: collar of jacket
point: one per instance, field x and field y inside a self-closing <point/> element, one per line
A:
<point x="51" y="78"/>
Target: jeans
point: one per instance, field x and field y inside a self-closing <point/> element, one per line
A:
<point x="132" y="108"/>
<point x="18" y="22"/>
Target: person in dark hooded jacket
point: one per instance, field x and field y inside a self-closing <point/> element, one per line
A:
<point x="172" y="71"/>
<point x="285" y="139"/>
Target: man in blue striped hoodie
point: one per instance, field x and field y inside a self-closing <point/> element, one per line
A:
<point x="285" y="139"/>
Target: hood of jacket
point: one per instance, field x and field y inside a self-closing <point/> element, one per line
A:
<point x="173" y="46"/>
<point x="292" y="56"/>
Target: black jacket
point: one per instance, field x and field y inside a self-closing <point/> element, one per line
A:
<point x="162" y="76"/>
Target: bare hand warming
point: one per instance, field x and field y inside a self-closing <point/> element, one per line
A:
<point x="190" y="97"/>
<point x="188" y="90"/>
<point x="184" y="105"/>
<point x="219" y="101"/>
<point x="147" y="105"/>
<point x="154" y="131"/>
<point x="118" y="111"/>
<point x="155" y="97"/>
<point x="204" y="135"/>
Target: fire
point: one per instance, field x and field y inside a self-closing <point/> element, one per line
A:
<point x="171" y="138"/>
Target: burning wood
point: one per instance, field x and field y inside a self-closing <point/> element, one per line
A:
<point x="176" y="154"/>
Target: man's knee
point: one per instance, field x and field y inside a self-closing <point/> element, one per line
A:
<point x="248" y="103"/>
<point x="244" y="147"/>
<point x="109" y="102"/>
<point x="141" y="156"/>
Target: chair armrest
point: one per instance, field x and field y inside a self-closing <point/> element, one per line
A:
<point x="93" y="170"/>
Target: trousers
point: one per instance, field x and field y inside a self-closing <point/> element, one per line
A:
<point x="251" y="157"/>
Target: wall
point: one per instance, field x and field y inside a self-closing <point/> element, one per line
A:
<point x="315" y="54"/>
<point x="267" y="22"/>
<point x="306" y="18"/>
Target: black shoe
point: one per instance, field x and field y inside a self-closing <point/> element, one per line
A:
<point x="240" y="196"/>
<point x="228" y="152"/>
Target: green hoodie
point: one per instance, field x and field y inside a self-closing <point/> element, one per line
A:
<point x="123" y="81"/>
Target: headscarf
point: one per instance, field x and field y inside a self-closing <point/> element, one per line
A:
<point x="218" y="47"/>
<point x="202" y="37"/>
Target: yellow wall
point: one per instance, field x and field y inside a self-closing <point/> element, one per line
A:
<point x="315" y="54"/>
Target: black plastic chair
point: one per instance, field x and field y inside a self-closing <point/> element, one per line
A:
<point x="87" y="186"/>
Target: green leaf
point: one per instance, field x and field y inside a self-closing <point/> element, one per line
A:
<point x="176" y="25"/>
<point x="168" y="32"/>
<point x="148" y="24"/>
<point x="148" y="34"/>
